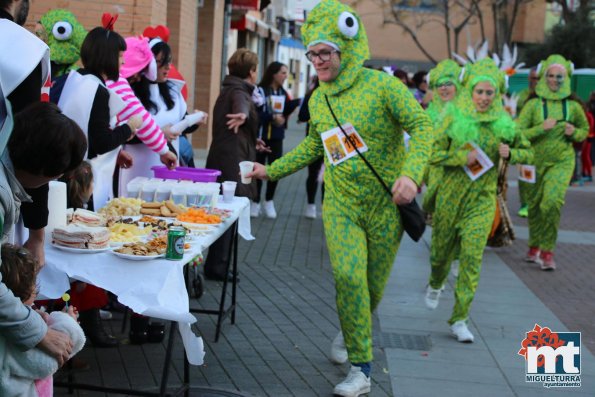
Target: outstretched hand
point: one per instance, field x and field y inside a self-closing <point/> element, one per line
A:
<point x="169" y="159"/>
<point x="236" y="120"/>
<point x="259" y="172"/>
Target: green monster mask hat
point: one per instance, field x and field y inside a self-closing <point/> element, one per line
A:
<point x="65" y="36"/>
<point x="333" y="22"/>
<point x="542" y="90"/>
<point x="466" y="120"/>
<point x="447" y="71"/>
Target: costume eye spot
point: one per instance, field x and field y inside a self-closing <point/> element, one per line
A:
<point x="62" y="30"/>
<point x="348" y="24"/>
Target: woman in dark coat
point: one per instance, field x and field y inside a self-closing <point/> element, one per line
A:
<point x="235" y="139"/>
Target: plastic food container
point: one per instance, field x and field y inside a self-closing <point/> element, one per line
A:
<point x="186" y="173"/>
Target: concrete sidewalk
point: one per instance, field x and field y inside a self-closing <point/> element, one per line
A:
<point x="504" y="309"/>
<point x="287" y="318"/>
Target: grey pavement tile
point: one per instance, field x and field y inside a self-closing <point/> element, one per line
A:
<point x="423" y="387"/>
<point x="553" y="392"/>
<point x="454" y="371"/>
<point x="441" y="354"/>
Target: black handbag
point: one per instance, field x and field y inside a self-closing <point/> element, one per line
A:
<point x="412" y="216"/>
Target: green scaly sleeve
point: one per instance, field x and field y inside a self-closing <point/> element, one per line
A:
<point x="529" y="121"/>
<point x="444" y="153"/>
<point x="580" y="122"/>
<point x="520" y="150"/>
<point x="410" y="115"/>
<point x="305" y="153"/>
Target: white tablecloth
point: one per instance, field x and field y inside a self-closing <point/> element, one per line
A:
<point x="153" y="288"/>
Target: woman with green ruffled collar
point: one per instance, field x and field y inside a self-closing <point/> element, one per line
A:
<point x="444" y="83"/>
<point x="552" y="121"/>
<point x="476" y="132"/>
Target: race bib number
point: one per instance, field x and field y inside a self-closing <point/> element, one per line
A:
<point x="527" y="173"/>
<point x="481" y="165"/>
<point x="338" y="147"/>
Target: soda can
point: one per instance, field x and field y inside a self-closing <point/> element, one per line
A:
<point x="176" y="236"/>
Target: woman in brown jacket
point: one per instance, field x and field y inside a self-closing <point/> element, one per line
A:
<point x="235" y="139"/>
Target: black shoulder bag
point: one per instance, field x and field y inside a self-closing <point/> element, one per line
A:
<point x="412" y="217"/>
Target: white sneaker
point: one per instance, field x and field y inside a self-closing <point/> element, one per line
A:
<point x="310" y="211"/>
<point x="269" y="209"/>
<point x="460" y="330"/>
<point x="338" y="350"/>
<point x="105" y="315"/>
<point x="354" y="385"/>
<point x="433" y="297"/>
<point x="254" y="209"/>
<point x="454" y="268"/>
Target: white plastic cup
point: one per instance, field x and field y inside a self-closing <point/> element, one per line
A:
<point x="215" y="189"/>
<point x="229" y="190"/>
<point x="178" y="194"/>
<point x="148" y="192"/>
<point x="163" y="192"/>
<point x="246" y="167"/>
<point x="192" y="193"/>
<point x="133" y="189"/>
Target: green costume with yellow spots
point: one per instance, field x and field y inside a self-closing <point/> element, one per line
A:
<point x="554" y="153"/>
<point x="362" y="225"/>
<point x="465" y="209"/>
<point x="446" y="71"/>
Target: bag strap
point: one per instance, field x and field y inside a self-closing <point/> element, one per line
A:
<point x="353" y="144"/>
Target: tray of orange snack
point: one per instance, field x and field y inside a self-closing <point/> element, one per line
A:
<point x="199" y="216"/>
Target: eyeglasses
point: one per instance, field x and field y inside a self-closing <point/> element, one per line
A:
<point x="324" y="56"/>
<point x="445" y="84"/>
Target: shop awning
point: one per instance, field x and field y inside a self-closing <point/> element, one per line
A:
<point x="292" y="43"/>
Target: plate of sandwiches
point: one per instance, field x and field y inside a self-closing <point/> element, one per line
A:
<point x="81" y="239"/>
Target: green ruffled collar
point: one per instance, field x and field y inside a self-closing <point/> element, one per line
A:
<point x="466" y="121"/>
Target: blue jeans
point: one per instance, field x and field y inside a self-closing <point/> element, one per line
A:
<point x="186" y="152"/>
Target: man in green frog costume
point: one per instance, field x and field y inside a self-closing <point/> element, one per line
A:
<point x="552" y="122"/>
<point x="362" y="225"/>
<point x="63" y="33"/>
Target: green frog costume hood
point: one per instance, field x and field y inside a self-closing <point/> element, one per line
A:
<point x="542" y="90"/>
<point x="466" y="120"/>
<point x="64" y="34"/>
<point x="334" y="23"/>
<point x="445" y="71"/>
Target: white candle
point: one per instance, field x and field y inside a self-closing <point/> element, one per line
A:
<point x="56" y="206"/>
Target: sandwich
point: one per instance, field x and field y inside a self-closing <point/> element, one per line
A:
<point x="87" y="218"/>
<point x="81" y="236"/>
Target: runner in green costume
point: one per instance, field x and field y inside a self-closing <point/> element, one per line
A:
<point x="443" y="79"/>
<point x="524" y="96"/>
<point x="552" y="122"/>
<point x="362" y="224"/>
<point x="465" y="209"/>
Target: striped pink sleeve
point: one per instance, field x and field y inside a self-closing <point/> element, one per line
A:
<point x="149" y="132"/>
